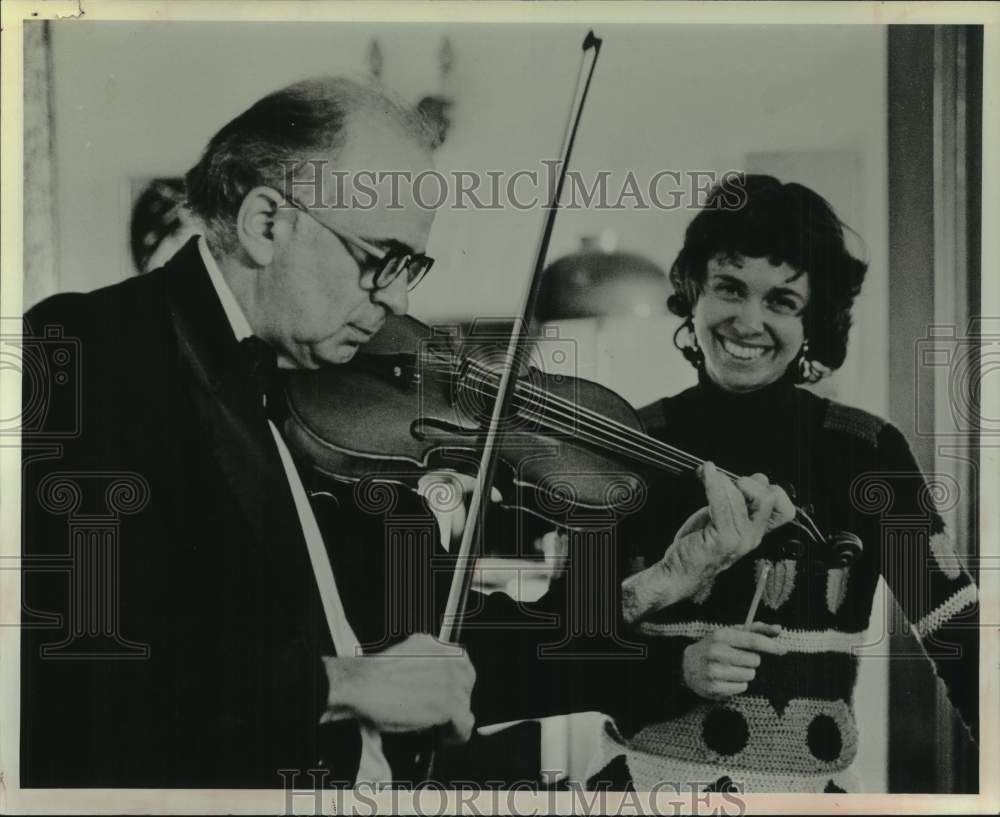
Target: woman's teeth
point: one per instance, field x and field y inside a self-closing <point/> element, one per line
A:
<point x="742" y="351"/>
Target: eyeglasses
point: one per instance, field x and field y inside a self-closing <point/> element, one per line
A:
<point x="382" y="266"/>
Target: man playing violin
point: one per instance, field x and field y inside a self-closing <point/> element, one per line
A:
<point x="221" y="646"/>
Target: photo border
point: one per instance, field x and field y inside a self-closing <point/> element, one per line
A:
<point x="602" y="17"/>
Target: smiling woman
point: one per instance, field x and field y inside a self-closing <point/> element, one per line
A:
<point x="778" y="261"/>
<point x="766" y="291"/>
<point x="749" y="320"/>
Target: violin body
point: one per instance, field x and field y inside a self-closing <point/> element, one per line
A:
<point x="572" y="452"/>
<point x="403" y="407"/>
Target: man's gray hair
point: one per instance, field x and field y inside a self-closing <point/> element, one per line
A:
<point x="269" y="142"/>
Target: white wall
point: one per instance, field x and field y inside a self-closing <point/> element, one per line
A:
<point x="135" y="100"/>
<point x="139" y="99"/>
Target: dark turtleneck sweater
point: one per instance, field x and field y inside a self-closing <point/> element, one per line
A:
<point x="795" y="724"/>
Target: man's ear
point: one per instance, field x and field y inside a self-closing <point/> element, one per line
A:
<point x="263" y="218"/>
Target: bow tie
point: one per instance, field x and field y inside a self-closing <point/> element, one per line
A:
<point x="267" y="379"/>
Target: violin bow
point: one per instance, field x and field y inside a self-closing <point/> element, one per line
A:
<point x="471" y="544"/>
<point x="470" y="547"/>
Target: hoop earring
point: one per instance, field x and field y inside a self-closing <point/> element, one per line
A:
<point x="688" y="346"/>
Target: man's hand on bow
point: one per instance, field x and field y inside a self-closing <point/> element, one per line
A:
<point x="415" y="685"/>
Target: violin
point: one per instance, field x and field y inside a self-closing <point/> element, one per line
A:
<point x="410" y="403"/>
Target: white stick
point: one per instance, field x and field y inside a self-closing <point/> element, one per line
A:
<point x="752" y="612"/>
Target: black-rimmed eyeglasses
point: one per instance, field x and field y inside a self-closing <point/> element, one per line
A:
<point x="383" y="266"/>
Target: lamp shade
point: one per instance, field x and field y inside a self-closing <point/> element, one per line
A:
<point x="594" y="283"/>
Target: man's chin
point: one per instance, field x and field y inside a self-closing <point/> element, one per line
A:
<point x="336" y="354"/>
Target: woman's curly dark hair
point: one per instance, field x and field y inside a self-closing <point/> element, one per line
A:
<point x="754" y="216"/>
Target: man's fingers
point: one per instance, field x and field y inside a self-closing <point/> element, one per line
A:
<point x="755" y="491"/>
<point x="760" y="499"/>
<point x="738" y="505"/>
<point x="770" y="507"/>
<point x="718" y="489"/>
<point x="421" y="645"/>
<point x="763" y="521"/>
<point x="784" y="508"/>
<point x="696" y="521"/>
<point x="459" y="728"/>
<point x="466" y="674"/>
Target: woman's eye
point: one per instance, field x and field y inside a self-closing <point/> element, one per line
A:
<point x="784" y="306"/>
<point x="727" y="290"/>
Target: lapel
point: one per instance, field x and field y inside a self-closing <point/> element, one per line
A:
<point x="229" y="406"/>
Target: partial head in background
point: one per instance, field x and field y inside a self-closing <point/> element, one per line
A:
<point x="303" y="259"/>
<point x="766" y="284"/>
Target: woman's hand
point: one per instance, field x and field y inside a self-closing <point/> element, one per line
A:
<point x="725" y="661"/>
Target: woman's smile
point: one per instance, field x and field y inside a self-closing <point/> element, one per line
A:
<point x="741" y="351"/>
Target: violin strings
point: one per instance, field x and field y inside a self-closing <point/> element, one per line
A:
<point x="613" y="426"/>
<point x="575" y="420"/>
<point x="607" y="433"/>
<point x="602" y="431"/>
<point x="619" y="435"/>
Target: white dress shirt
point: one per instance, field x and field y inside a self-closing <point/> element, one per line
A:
<point x="374" y="768"/>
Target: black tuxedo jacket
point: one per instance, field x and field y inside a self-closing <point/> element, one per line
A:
<point x="172" y="629"/>
<point x="195" y="660"/>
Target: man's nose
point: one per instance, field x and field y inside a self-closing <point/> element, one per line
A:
<point x="394" y="297"/>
